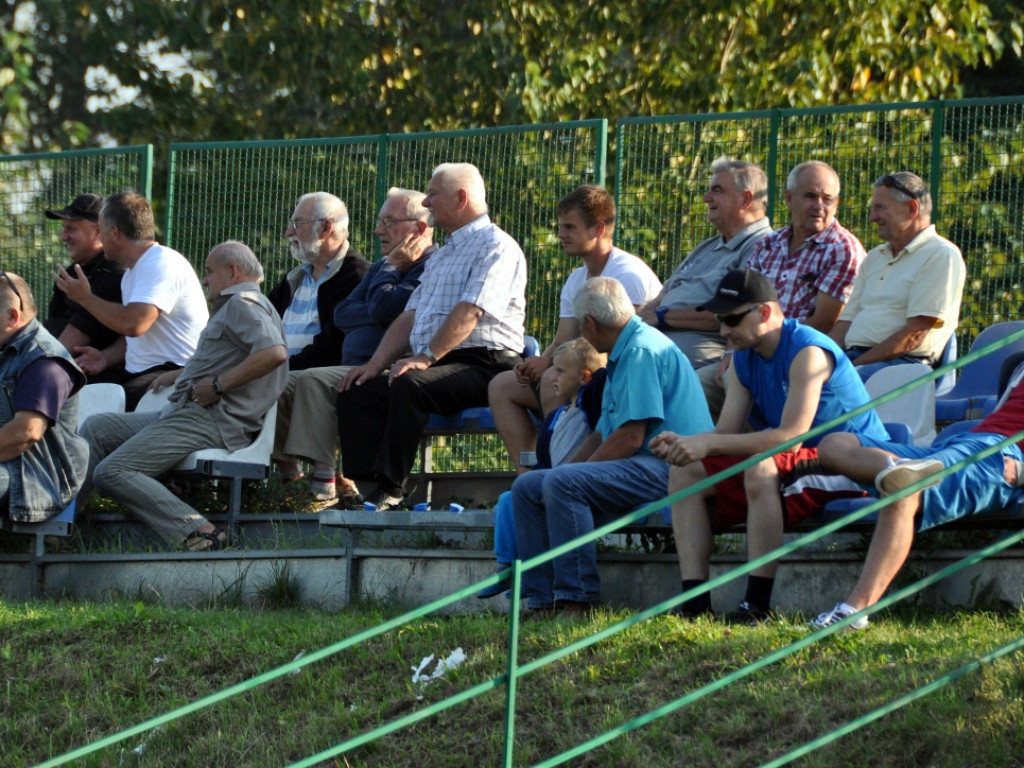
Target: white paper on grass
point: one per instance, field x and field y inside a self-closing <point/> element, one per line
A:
<point x="422" y="679"/>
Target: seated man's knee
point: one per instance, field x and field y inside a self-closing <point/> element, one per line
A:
<point x="834" y="445"/>
<point x="762" y="477"/>
<point x="685" y="476"/>
<point x="500" y="388"/>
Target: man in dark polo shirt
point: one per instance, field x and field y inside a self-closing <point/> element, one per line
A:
<point x="80" y="232"/>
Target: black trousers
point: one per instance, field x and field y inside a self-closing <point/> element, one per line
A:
<point x="380" y="425"/>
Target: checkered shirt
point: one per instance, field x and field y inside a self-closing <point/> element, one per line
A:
<point x="826" y="262"/>
<point x="482" y="265"/>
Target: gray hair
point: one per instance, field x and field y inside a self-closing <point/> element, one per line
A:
<point x="412" y="202"/>
<point x="746" y="177"/>
<point x="327" y="207"/>
<point x="794" y="175"/>
<point x="13" y="289"/>
<point x="605" y="300"/>
<point x="456" y="176"/>
<point x="912" y="182"/>
<point x="237" y="254"/>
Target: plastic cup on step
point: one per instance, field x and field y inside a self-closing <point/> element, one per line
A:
<point x="421" y="507"/>
<point x="458" y="509"/>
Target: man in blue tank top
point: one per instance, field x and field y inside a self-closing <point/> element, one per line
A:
<point x="786" y="378"/>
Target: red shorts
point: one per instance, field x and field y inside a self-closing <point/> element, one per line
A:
<point x="805" y="485"/>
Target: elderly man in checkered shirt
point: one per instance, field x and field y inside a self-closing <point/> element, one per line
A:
<point x="813" y="260"/>
<point x="463" y="325"/>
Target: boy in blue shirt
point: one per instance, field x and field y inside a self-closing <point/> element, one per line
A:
<point x="578" y="375"/>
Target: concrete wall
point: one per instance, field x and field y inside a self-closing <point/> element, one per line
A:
<point x="411" y="578"/>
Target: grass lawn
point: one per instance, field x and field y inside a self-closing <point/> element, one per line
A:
<point x="74" y="673"/>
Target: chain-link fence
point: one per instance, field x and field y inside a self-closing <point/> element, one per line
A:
<point x="29" y="184"/>
<point x="970" y="152"/>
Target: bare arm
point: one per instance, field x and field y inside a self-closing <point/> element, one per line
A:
<point x="453" y="331"/>
<point x="679" y="318"/>
<point x="256" y="365"/>
<point x="394" y="344"/>
<point x="901" y="342"/>
<point x="838" y="332"/>
<point x="807" y="374"/>
<point x="532" y="368"/>
<point x="21" y="433"/>
<point x="826" y="312"/>
<point x="620" y="444"/>
<point x="128" y="320"/>
<point x="72" y="337"/>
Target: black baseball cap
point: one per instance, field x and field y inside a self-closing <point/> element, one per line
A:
<point x="85" y="206"/>
<point x="739" y="287"/>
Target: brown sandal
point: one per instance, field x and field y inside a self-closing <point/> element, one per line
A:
<point x="209" y="541"/>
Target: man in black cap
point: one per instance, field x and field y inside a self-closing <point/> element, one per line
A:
<point x="785" y="379"/>
<point x="80" y="232"/>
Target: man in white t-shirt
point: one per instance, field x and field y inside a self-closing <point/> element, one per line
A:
<point x="162" y="311"/>
<point x="586" y="224"/>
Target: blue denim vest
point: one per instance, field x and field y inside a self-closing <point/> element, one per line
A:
<point x="45" y="478"/>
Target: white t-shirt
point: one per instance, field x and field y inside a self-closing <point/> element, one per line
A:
<point x="637" y="278"/>
<point x="164" y="278"/>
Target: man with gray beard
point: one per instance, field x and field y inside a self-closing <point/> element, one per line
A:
<point x="329" y="270"/>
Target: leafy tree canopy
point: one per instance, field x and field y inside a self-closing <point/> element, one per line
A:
<point x="79" y="72"/>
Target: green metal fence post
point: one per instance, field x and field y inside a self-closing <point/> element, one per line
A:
<point x="935" y="182"/>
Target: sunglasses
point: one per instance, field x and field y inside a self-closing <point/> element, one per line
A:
<point x="736" y="318"/>
<point x="890" y="181"/>
<point x="14" y="288"/>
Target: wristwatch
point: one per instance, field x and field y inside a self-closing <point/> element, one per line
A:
<point x="425" y="351"/>
<point x="216" y="386"/>
<point x="660" y="313"/>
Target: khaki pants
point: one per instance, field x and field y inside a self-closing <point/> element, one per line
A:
<point x="307" y="421"/>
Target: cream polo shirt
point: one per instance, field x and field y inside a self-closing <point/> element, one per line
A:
<point x="925" y="278"/>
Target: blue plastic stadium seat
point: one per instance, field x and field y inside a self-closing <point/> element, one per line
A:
<point x="979" y="380"/>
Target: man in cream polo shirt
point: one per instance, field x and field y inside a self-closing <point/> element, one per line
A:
<point x="906" y="298"/>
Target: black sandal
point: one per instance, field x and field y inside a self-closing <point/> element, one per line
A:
<point x="209" y="541"/>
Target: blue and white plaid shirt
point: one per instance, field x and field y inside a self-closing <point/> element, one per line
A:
<point x="484" y="266"/>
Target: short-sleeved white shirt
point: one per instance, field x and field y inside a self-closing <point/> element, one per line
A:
<point x="164" y="278"/>
<point x="637" y="278"/>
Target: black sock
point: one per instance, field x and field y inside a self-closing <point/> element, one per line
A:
<point x="759" y="592"/>
<point x="699" y="604"/>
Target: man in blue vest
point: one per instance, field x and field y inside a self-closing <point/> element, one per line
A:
<point x="42" y="459"/>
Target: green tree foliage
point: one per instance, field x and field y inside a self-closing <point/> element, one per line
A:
<point x="155" y="71"/>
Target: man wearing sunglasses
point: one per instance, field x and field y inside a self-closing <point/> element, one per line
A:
<point x="42" y="459"/>
<point x="785" y="378"/>
<point x="906" y="298"/>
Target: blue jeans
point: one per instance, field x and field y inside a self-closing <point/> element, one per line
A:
<point x="867" y="371"/>
<point x="553" y="506"/>
<point x="504" y="529"/>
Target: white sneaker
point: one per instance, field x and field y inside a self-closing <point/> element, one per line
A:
<point x="906" y="472"/>
<point x="837" y="614"/>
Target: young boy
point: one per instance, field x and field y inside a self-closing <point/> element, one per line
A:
<point x="579" y="376"/>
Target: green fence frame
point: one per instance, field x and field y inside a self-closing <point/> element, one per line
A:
<point x="29" y="184"/>
<point x="970" y="151"/>
<point x="515" y="670"/>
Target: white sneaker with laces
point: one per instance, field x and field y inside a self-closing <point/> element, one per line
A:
<point x="906" y="472"/>
<point x="837" y="614"/>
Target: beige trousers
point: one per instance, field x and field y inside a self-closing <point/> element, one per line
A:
<point x="307" y="421"/>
